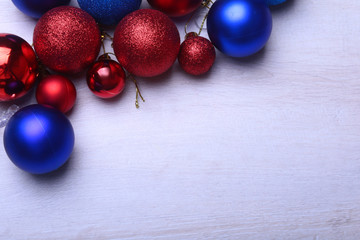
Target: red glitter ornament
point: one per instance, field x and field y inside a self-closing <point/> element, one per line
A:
<point x="67" y="39"/>
<point x="56" y="91"/>
<point x="175" y="8"/>
<point x="197" y="55"/>
<point x="146" y="43"/>
<point x="106" y="78"/>
<point x="18" y="67"/>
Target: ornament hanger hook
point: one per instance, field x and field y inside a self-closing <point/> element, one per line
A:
<point x="205" y="3"/>
<point x="138" y="93"/>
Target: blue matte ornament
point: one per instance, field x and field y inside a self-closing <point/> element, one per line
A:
<point x="39" y="139"/>
<point x="274" y="2"/>
<point x="109" y="12"/>
<point x="36" y="8"/>
<point x="239" y="28"/>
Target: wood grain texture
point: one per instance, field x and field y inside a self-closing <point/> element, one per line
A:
<point x="261" y="148"/>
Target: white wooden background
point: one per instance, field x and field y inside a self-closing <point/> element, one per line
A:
<point x="258" y="149"/>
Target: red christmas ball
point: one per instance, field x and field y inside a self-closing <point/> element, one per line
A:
<point x="146" y="43"/>
<point x="197" y="55"/>
<point x="56" y="91"/>
<point x="175" y="8"/>
<point x="106" y="78"/>
<point x="18" y="67"/>
<point x="67" y="39"/>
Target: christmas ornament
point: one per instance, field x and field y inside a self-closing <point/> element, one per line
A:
<point x="197" y="54"/>
<point x="36" y="8"/>
<point x="38" y="139"/>
<point x="109" y="12"/>
<point x="146" y="43"/>
<point x="106" y="78"/>
<point x="239" y="28"/>
<point x="175" y="8"/>
<point x="67" y="39"/>
<point x="275" y="2"/>
<point x="56" y="91"/>
<point x="18" y="67"/>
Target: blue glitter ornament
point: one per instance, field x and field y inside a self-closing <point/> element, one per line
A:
<point x="36" y="8"/>
<point x="274" y="2"/>
<point x="39" y="139"/>
<point x="109" y="12"/>
<point x="239" y="28"/>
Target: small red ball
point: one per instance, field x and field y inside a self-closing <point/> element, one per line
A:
<point x="197" y="55"/>
<point x="106" y="78"/>
<point x="56" y="91"/>
<point x="146" y="43"/>
<point x="67" y="39"/>
<point x="175" y="8"/>
<point x="18" y="67"/>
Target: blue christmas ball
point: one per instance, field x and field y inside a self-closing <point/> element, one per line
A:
<point x="275" y="2"/>
<point x="39" y="139"/>
<point x="109" y="12"/>
<point x="36" y="8"/>
<point x="239" y="28"/>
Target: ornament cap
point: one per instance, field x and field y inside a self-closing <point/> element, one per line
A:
<point x="191" y="34"/>
<point x="105" y="56"/>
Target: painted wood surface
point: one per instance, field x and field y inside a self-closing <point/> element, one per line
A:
<point x="261" y="148"/>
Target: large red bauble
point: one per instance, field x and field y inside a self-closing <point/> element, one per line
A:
<point x="197" y="55"/>
<point x="146" y="43"/>
<point x="106" y="78"/>
<point x="175" y="8"/>
<point x="67" y="39"/>
<point x="56" y="91"/>
<point x="18" y="67"/>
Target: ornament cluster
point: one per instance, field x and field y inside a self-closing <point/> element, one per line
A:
<point x="67" y="40"/>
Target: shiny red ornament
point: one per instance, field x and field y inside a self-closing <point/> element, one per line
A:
<point x="197" y="55"/>
<point x="18" y="67"/>
<point x="146" y="43"/>
<point x="175" y="8"/>
<point x="67" y="39"/>
<point x="56" y="91"/>
<point x="106" y="78"/>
